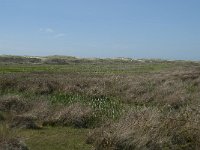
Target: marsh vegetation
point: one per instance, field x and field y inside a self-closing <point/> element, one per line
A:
<point x="69" y="103"/>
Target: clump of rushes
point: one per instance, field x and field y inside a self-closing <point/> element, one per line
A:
<point x="104" y="107"/>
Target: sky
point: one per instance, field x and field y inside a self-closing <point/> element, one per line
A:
<point x="166" y="29"/>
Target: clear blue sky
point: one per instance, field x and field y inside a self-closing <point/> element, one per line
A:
<point x="168" y="29"/>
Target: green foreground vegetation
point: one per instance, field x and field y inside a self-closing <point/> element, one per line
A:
<point x="70" y="103"/>
<point x="56" y="138"/>
<point x="51" y="138"/>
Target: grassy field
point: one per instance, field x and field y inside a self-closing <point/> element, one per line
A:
<point x="52" y="138"/>
<point x="69" y="103"/>
<point x="117" y="68"/>
<point x="56" y="138"/>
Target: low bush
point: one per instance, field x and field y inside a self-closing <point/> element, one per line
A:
<point x="76" y="115"/>
<point x="24" y="122"/>
<point x="13" y="103"/>
<point x="2" y="118"/>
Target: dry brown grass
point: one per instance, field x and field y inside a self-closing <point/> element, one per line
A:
<point x="150" y="129"/>
<point x="165" y="114"/>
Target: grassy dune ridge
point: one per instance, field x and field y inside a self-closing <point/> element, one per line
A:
<point x="74" y="103"/>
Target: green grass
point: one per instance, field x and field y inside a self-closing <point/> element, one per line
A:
<point x="118" y="68"/>
<point x="50" y="138"/>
